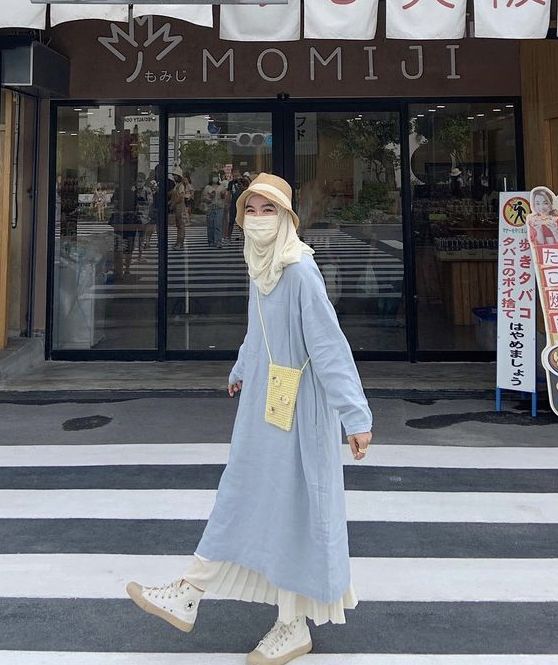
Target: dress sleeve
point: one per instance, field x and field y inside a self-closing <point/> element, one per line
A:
<point x="237" y="372"/>
<point x="331" y="357"/>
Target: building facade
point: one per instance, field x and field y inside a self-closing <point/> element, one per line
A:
<point x="396" y="151"/>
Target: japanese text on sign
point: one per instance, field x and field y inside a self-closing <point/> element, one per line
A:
<point x="516" y="297"/>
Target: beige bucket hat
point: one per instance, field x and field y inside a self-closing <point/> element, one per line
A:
<point x="275" y="189"/>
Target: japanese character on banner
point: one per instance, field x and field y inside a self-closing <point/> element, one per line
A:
<point x="512" y="19"/>
<point x="425" y="19"/>
<point x="331" y="19"/>
<point x="542" y="224"/>
<point x="261" y="22"/>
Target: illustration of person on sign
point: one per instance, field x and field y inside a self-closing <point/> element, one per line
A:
<point x="520" y="212"/>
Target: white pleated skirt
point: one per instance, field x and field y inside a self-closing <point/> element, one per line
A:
<point x="230" y="580"/>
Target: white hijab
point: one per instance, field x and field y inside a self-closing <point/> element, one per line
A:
<point x="270" y="244"/>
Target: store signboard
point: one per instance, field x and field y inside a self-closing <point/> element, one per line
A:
<point x="516" y="358"/>
<point x="543" y="237"/>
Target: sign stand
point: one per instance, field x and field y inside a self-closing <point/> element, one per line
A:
<point x="534" y="402"/>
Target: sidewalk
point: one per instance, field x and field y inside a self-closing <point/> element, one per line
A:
<point x="210" y="377"/>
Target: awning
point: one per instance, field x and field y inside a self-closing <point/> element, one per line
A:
<point x="323" y="19"/>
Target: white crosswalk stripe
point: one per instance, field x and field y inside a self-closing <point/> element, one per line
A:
<point x="83" y="658"/>
<point x="375" y="579"/>
<point x="218" y="453"/>
<point x="503" y="507"/>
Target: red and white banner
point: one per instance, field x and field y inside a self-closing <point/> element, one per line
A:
<point x="22" y="14"/>
<point x="261" y="23"/>
<point x="512" y="19"/>
<point x="65" y="13"/>
<point x="340" y="19"/>
<point x="425" y="19"/>
<point x="517" y="328"/>
<point x="197" y="14"/>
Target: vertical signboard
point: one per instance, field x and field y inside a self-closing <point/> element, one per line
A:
<point x="543" y="237"/>
<point x="516" y="366"/>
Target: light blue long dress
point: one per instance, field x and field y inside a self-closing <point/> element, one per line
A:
<point x="280" y="507"/>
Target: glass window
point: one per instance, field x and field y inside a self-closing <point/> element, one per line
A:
<point x="462" y="156"/>
<point x="348" y="190"/>
<point x="106" y="261"/>
<point x="212" y="159"/>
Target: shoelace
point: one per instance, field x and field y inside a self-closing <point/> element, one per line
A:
<point x="276" y="635"/>
<point x="167" y="591"/>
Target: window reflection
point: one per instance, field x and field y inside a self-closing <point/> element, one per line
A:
<point x="348" y="191"/>
<point x="107" y="192"/>
<point x="212" y="159"/>
<point x="462" y="156"/>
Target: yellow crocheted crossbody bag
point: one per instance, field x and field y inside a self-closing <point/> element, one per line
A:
<point x="282" y="387"/>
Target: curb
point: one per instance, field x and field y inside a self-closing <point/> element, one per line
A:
<point x="95" y="396"/>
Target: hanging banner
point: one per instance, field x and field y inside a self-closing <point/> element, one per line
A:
<point x="66" y="13"/>
<point x="543" y="237"/>
<point x="22" y="14"/>
<point x="425" y="19"/>
<point x="517" y="348"/>
<point x="150" y="2"/>
<point x="340" y="19"/>
<point x="261" y="23"/>
<point x="197" y="14"/>
<point x="512" y="19"/>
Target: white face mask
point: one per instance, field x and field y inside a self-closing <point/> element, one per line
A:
<point x="261" y="229"/>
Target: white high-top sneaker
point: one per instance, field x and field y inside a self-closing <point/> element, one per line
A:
<point x="176" y="602"/>
<point x="283" y="643"/>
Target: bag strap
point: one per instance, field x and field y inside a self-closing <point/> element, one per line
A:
<point x="263" y="326"/>
<point x="264" y="333"/>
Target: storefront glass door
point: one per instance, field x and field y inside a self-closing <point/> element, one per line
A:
<point x="403" y="226"/>
<point x="348" y="190"/>
<point x="212" y="158"/>
<point x="461" y="156"/>
<point x="104" y="209"/>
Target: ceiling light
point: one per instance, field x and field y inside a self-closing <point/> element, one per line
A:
<point x="497" y="110"/>
<point x="78" y="110"/>
<point x="509" y="106"/>
<point x="432" y="110"/>
<point x="440" y="106"/>
<point x="480" y="115"/>
<point x="470" y="117"/>
<point x="420" y="115"/>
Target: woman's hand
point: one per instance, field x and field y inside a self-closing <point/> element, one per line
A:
<point x="359" y="444"/>
<point x="234" y="388"/>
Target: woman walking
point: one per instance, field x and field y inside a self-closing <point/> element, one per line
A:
<point x="278" y="532"/>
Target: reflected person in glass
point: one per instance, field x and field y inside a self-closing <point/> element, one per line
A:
<point x="213" y="196"/>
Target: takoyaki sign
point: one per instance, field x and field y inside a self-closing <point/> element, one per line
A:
<point x="516" y="369"/>
<point x="543" y="237"/>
